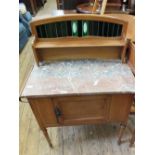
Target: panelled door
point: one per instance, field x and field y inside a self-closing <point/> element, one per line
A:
<point x="82" y="109"/>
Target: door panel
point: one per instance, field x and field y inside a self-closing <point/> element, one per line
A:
<point x="82" y="109"/>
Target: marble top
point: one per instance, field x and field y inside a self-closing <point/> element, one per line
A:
<point x="79" y="77"/>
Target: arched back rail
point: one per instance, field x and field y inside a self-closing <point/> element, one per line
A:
<point x="57" y="37"/>
<point x="79" y="25"/>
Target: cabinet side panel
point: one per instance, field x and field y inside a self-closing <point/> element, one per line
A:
<point x="45" y="109"/>
<point x="120" y="107"/>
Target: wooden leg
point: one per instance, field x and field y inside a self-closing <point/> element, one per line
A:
<point x="122" y="128"/>
<point x="47" y="137"/>
<point x="40" y="122"/>
<point x="132" y="140"/>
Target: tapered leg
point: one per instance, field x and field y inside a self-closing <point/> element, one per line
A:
<point x="39" y="120"/>
<point x="122" y="128"/>
<point x="132" y="140"/>
<point x="47" y="136"/>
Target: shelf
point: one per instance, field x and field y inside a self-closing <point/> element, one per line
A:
<point x="67" y="43"/>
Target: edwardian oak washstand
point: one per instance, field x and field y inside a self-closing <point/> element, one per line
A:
<point x="82" y="75"/>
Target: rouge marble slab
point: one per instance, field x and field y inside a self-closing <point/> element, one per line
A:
<point x="79" y="77"/>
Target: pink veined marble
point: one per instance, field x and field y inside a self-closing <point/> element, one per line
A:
<point x="79" y="77"/>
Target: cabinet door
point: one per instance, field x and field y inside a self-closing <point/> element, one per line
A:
<point x="82" y="109"/>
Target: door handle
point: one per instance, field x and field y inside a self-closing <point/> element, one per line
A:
<point x="58" y="112"/>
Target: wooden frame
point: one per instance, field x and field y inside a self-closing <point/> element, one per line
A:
<point x="131" y="56"/>
<point x="45" y="49"/>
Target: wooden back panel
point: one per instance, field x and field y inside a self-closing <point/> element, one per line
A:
<point x="77" y="32"/>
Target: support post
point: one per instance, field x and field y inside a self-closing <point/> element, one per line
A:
<point x="47" y="136"/>
<point x="121" y="131"/>
<point x="132" y="140"/>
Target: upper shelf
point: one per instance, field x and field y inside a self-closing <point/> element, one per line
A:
<point x="84" y="42"/>
<point x="86" y="34"/>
